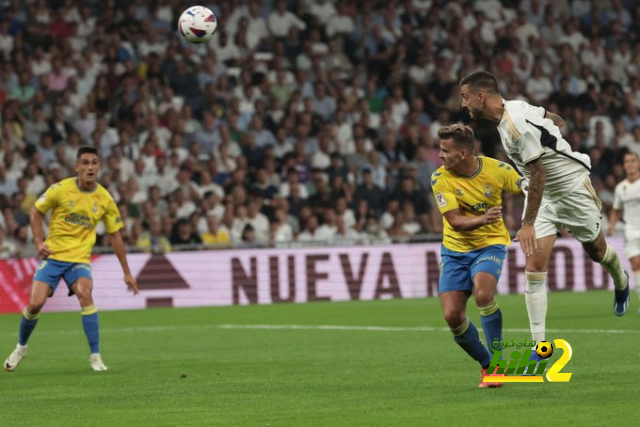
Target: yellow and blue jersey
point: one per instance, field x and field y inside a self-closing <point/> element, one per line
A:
<point x="74" y="216"/>
<point x="474" y="195"/>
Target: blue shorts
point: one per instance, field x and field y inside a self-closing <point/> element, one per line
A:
<point x="51" y="271"/>
<point x="457" y="269"/>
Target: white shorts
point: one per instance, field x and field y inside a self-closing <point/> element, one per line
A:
<point x="632" y="248"/>
<point x="579" y="211"/>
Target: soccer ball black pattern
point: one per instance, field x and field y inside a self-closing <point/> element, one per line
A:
<point x="544" y="349"/>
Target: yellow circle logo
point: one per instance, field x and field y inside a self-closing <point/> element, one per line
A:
<point x="544" y="349"/>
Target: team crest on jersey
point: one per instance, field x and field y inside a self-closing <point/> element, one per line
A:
<point x="488" y="191"/>
<point x="71" y="204"/>
<point x="459" y="192"/>
<point x="95" y="207"/>
<point x="442" y="202"/>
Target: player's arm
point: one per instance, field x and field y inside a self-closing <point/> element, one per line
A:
<point x="460" y="222"/>
<point x="113" y="224"/>
<point x="37" y="227"/>
<point x="556" y="119"/>
<point x="47" y="201"/>
<point x="450" y="209"/>
<point x="118" y="247"/>
<point x="616" y="211"/>
<point x="614" y="217"/>
<point x="526" y="235"/>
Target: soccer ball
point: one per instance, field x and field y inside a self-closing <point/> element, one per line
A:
<point x="544" y="349"/>
<point x="197" y="24"/>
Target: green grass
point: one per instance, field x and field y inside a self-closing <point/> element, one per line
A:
<point x="177" y="367"/>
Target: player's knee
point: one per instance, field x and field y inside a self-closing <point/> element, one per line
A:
<point x="35" y="306"/>
<point x="84" y="296"/>
<point x="483" y="298"/>
<point x="454" y="318"/>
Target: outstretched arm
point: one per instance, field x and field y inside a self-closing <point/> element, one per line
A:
<point x="121" y="253"/>
<point x="556" y="119"/>
<point x="527" y="235"/>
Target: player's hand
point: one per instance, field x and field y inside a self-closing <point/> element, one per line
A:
<point x="131" y="283"/>
<point x="493" y="215"/>
<point x="527" y="238"/>
<point x="43" y="251"/>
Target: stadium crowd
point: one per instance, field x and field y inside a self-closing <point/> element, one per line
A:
<point x="309" y="121"/>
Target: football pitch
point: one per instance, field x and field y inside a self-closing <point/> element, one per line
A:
<point x="375" y="363"/>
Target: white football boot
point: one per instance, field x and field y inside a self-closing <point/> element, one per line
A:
<point x="15" y="358"/>
<point x="96" y="362"/>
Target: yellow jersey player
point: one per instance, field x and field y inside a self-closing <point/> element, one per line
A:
<point x="468" y="191"/>
<point x="76" y="205"/>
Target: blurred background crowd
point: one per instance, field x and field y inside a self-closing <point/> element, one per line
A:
<point x="300" y="121"/>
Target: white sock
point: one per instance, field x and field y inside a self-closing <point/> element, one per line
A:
<point x="535" y="296"/>
<point x="636" y="281"/>
<point x="611" y="263"/>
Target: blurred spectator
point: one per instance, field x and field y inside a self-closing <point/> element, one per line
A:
<point x="286" y="95"/>
<point x="152" y="240"/>
<point x="215" y="236"/>
<point x="8" y="248"/>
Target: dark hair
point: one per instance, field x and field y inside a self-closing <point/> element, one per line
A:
<point x="461" y="134"/>
<point x="631" y="153"/>
<point x="86" y="149"/>
<point x="481" y="80"/>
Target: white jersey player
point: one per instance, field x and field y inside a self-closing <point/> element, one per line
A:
<point x="627" y="201"/>
<point x="559" y="191"/>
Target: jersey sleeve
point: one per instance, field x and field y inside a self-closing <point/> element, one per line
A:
<point x="541" y="111"/>
<point x="512" y="181"/>
<point x="529" y="147"/>
<point x="617" y="200"/>
<point x="49" y="199"/>
<point x="111" y="218"/>
<point x="445" y="199"/>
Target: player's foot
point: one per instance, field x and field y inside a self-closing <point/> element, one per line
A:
<point x="496" y="384"/>
<point x="96" y="362"/>
<point x="15" y="358"/>
<point x="621" y="299"/>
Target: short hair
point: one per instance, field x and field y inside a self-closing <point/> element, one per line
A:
<point x="461" y="134"/>
<point x="86" y="149"/>
<point x="481" y="80"/>
<point x="631" y="153"/>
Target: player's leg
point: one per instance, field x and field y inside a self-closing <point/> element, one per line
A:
<point x="465" y="333"/>
<point x="44" y="283"/>
<point x="580" y="211"/>
<point x="82" y="287"/>
<point x="535" y="291"/>
<point x="601" y="252"/>
<point x="485" y="273"/>
<point x="635" y="266"/>
<point x="455" y="287"/>
<point x="632" y="252"/>
<point x="28" y="322"/>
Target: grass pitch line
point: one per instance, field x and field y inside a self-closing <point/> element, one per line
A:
<point x="411" y="329"/>
<point x="137" y="329"/>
